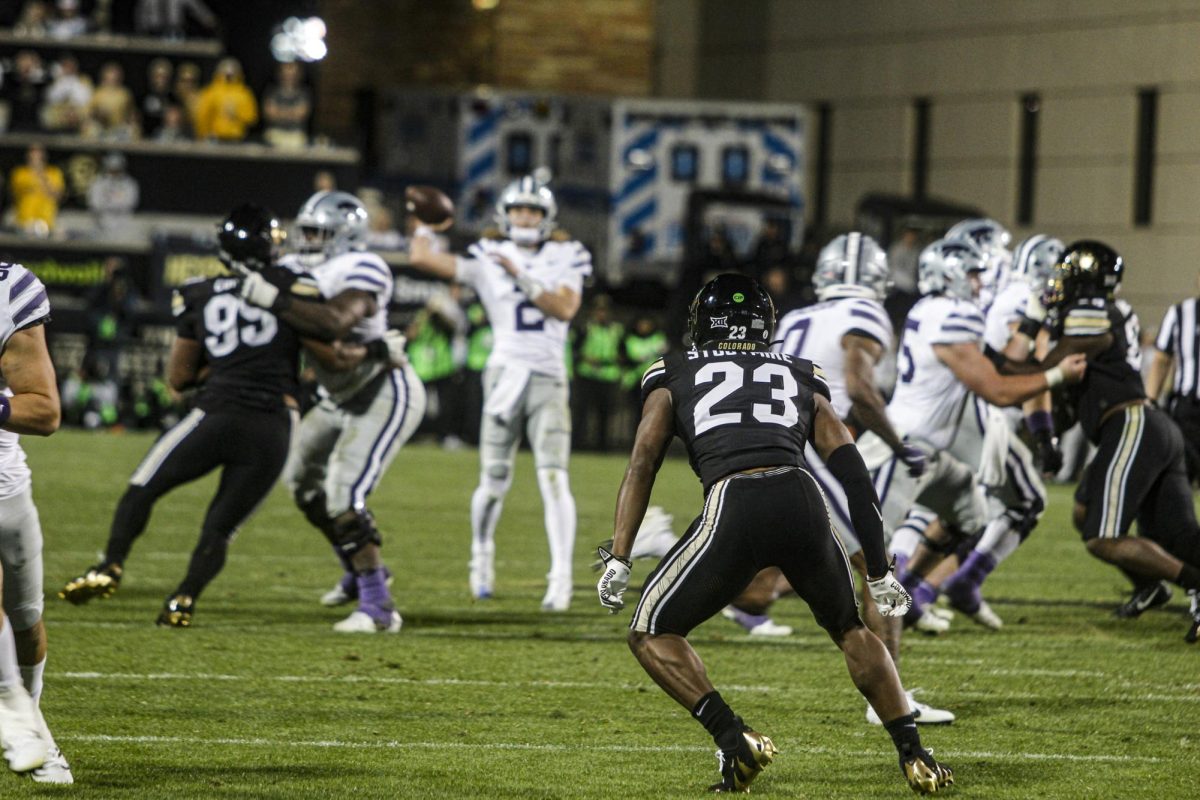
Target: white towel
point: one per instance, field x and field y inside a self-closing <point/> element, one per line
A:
<point x="506" y="392"/>
<point x="995" y="448"/>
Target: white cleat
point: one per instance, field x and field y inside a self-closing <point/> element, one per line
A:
<point x="941" y="612"/>
<point x="558" y="595"/>
<point x="24" y="746"/>
<point x="483" y="572"/>
<point x="931" y="623"/>
<point x="988" y="618"/>
<point x="770" y="627"/>
<point x="764" y="627"/>
<point x="655" y="537"/>
<point x="924" y="715"/>
<point x="54" y="770"/>
<point x="337" y="596"/>
<point x="362" y="622"/>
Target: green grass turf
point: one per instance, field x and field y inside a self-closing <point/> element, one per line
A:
<point x="489" y="700"/>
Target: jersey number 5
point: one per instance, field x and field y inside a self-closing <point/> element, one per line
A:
<point x="732" y="377"/>
<point x="221" y="316"/>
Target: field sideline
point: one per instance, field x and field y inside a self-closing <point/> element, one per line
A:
<point x="487" y="700"/>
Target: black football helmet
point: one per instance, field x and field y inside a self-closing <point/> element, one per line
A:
<point x="250" y="236"/>
<point x="1086" y="269"/>
<point x="732" y="312"/>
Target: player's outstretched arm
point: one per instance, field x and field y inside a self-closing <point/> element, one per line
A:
<point x="979" y="375"/>
<point x="326" y="321"/>
<point x="34" y="407"/>
<point x="649" y="447"/>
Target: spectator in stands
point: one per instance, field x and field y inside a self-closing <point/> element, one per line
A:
<point x="432" y="338"/>
<point x="65" y="105"/>
<point x="110" y="315"/>
<point x="112" y="112"/>
<point x="23" y="90"/>
<point x="324" y="181"/>
<point x="113" y="196"/>
<point x="169" y="18"/>
<point x="643" y="345"/>
<point x="599" y="363"/>
<point x="226" y="108"/>
<point x="286" y="109"/>
<point x="34" y="19"/>
<point x="174" y="126"/>
<point x="187" y="92"/>
<point x="69" y="23"/>
<point x="158" y="96"/>
<point x="36" y="188"/>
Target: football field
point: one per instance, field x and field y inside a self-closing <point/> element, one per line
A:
<point x="496" y="700"/>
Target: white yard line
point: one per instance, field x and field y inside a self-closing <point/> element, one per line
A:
<point x="601" y="748"/>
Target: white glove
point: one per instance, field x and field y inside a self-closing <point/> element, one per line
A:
<point x="396" y="342"/>
<point x="890" y="596"/>
<point x="613" y="580"/>
<point x="257" y="291"/>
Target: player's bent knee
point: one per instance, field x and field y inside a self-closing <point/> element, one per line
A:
<point x="25" y="615"/>
<point x="496" y="479"/>
<point x="355" y="530"/>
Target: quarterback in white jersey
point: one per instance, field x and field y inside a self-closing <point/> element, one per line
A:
<point x="29" y="404"/>
<point x="366" y="412"/>
<point x="531" y="287"/>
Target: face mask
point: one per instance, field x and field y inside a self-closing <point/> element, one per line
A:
<point x="525" y="236"/>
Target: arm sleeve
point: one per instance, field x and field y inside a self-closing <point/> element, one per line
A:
<point x="846" y="464"/>
<point x="1166" y="331"/>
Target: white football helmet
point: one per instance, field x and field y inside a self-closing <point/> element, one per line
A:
<point x="1035" y="257"/>
<point x="852" y="265"/>
<point x="329" y="224"/>
<point x="530" y="193"/>
<point x="945" y="266"/>
<point x="992" y="239"/>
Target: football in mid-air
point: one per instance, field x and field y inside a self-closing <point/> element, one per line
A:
<point x="428" y="204"/>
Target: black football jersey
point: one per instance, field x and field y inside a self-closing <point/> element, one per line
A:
<point x="735" y="410"/>
<point x="1113" y="376"/>
<point x="253" y="357"/>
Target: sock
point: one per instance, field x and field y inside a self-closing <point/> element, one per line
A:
<point x="559" y="507"/>
<point x="924" y="594"/>
<point x="974" y="570"/>
<point x="1188" y="577"/>
<point x="31" y="676"/>
<point x="10" y="675"/>
<point x="373" y="592"/>
<point x="718" y="719"/>
<point x="903" y="731"/>
<point x="748" y="620"/>
<point x="128" y="523"/>
<point x="208" y="559"/>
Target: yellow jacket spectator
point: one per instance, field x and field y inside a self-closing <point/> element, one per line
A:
<point x="36" y="188"/>
<point x="226" y="108"/>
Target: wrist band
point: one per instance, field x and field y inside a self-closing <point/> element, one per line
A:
<point x="1054" y="376"/>
<point x="5" y="409"/>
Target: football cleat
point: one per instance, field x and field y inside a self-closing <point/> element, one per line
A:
<point x="346" y="590"/>
<point x="99" y="581"/>
<point x="925" y="775"/>
<point x="54" y="770"/>
<point x="483" y="570"/>
<point x="985" y="616"/>
<point x="360" y="621"/>
<point x="927" y="622"/>
<point x="1150" y="596"/>
<point x="740" y="767"/>
<point x="923" y="714"/>
<point x="1194" y="611"/>
<point x="756" y="624"/>
<point x="22" y="741"/>
<point x="558" y="595"/>
<point x="177" y="612"/>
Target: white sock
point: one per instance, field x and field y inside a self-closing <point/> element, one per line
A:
<point x="31" y="676"/>
<point x="10" y="674"/>
<point x="559" y="506"/>
<point x="999" y="539"/>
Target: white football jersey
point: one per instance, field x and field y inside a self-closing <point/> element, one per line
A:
<point x="522" y="333"/>
<point x="929" y="399"/>
<point x="815" y="333"/>
<point x="369" y="273"/>
<point x="1006" y="309"/>
<point x="23" y="303"/>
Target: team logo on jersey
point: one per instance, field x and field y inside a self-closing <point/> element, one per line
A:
<point x="719" y="322"/>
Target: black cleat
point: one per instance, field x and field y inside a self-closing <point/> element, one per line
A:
<point x="740" y="767"/>
<point x="99" y="581"/>
<point x="177" y="612"/>
<point x="925" y="775"/>
<point x="1150" y="596"/>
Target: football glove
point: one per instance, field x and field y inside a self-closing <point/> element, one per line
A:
<point x="889" y="595"/>
<point x="257" y="291"/>
<point x="613" y="580"/>
<point x="914" y="458"/>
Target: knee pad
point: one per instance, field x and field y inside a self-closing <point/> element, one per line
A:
<point x="354" y="531"/>
<point x="496" y="478"/>
<point x="1025" y="519"/>
<point x="25" y="614"/>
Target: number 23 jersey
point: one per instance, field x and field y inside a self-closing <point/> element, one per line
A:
<point x="735" y="410"/>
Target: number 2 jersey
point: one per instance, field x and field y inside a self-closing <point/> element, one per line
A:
<point x="735" y="410"/>
<point x="23" y="304"/>
<point x="522" y="334"/>
<point x="1113" y="376"/>
<point x="252" y="357"/>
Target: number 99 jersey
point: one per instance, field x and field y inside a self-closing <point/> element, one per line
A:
<point x="252" y="357"/>
<point x="736" y="410"/>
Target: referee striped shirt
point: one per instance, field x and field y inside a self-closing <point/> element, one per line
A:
<point x="1179" y="337"/>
